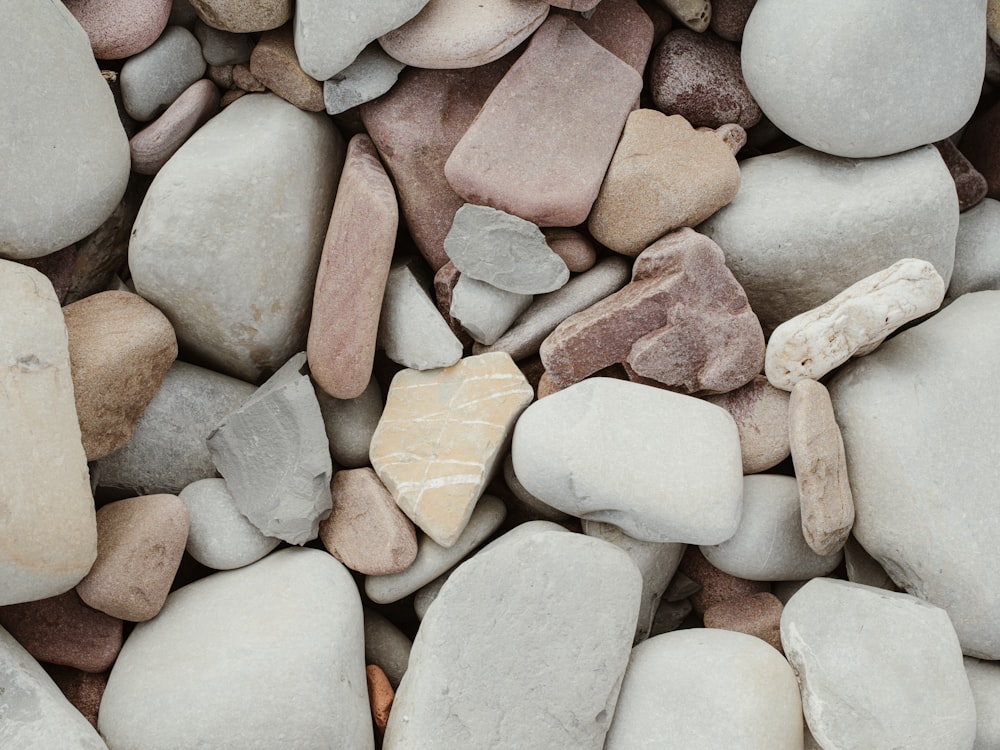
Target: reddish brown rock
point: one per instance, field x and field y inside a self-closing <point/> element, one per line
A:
<point x="729" y="17"/>
<point x="366" y="530"/>
<point x="380" y="697"/>
<point x="153" y="145"/>
<point x="716" y="586"/>
<point x="120" y="349"/>
<point x="576" y="249"/>
<point x="221" y="75"/>
<point x="58" y="267"/>
<point x="64" y="630"/>
<point x="231" y="96"/>
<point x="274" y="63"/>
<point x="83" y="690"/>
<point x="353" y="269"/>
<point x="415" y="127"/>
<point x="761" y="414"/>
<point x="541" y="144"/>
<point x="120" y="28"/>
<point x="621" y="27"/>
<point x="140" y="542"/>
<point x="245" y="80"/>
<point x="981" y="147"/>
<point x="683" y="321"/>
<point x="969" y="183"/>
<point x="756" y="614"/>
<point x="444" y="285"/>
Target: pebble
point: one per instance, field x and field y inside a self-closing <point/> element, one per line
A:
<point x="594" y="451"/>
<point x="576" y="249"/>
<point x="678" y="685"/>
<point x="483" y="310"/>
<point x="221" y="76"/>
<point x="353" y="270"/>
<point x="154" y="78"/>
<point x="152" y="146"/>
<point x="119" y="29"/>
<point x="367" y="531"/>
<point x="664" y="175"/>
<point x="729" y="18"/>
<point x="120" y="348"/>
<point x="761" y="414"/>
<point x="865" y="103"/>
<point x="984" y="679"/>
<point x="475" y="652"/>
<point x="456" y="34"/>
<point x="57" y="267"/>
<point x="881" y="696"/>
<point x="244" y="79"/>
<point x="372" y="74"/>
<point x="913" y="497"/>
<point x="621" y="27"/>
<point x="220" y="536"/>
<point x="715" y="586"/>
<point x="442" y="435"/>
<point x="970" y="184"/>
<point x="380" y="697"/>
<point x="863" y="568"/>
<point x="190" y="675"/>
<point x="798" y="232"/>
<point x="243" y="16"/>
<point x="250" y="314"/>
<point x="350" y="424"/>
<point x="758" y="615"/>
<point x="386" y="646"/>
<point x="542" y="142"/>
<point x="275" y="64"/>
<point x="222" y="47"/>
<point x="695" y="14"/>
<point x="83" y="690"/>
<point x="275" y="457"/>
<point x="977" y="251"/>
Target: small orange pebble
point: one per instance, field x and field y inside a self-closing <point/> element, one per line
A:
<point x="380" y="696"/>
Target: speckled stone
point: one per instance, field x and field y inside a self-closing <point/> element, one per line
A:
<point x="273" y="62"/>
<point x="758" y="615"/>
<point x="380" y="696"/>
<point x="621" y="27"/>
<point x="761" y="414"/>
<point x="153" y="145"/>
<point x="729" y="17"/>
<point x="120" y="28"/>
<point x="83" y="690"/>
<point x="243" y="15"/>
<point x="716" y="586"/>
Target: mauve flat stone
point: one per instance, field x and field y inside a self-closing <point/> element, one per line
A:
<point x="152" y="146"/>
<point x="120" y="28"/>
<point x="576" y="249"/>
<point x="275" y="64"/>
<point x="243" y="15"/>
<point x="761" y="414"/>
<point x="622" y="27"/>
<point x="541" y="144"/>
<point x="83" y="690"/>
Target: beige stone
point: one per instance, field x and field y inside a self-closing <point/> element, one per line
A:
<point x="243" y="15"/>
<point x="695" y="14"/>
<point x="820" y="468"/>
<point x="761" y="414"/>
<point x="274" y="63"/>
<point x="120" y="348"/>
<point x="48" y="533"/>
<point x="442" y="435"/>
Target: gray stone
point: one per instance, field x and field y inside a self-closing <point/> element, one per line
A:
<point x="275" y="457"/>
<point x="768" y="545"/>
<point x="923" y="467"/>
<point x="804" y="226"/>
<point x="503" y="250"/>
<point x="425" y="595"/>
<point x="476" y="653"/>
<point x="222" y="47"/>
<point x="977" y="250"/>
<point x="535" y="508"/>
<point x="167" y="450"/>
<point x="984" y="679"/>
<point x="268" y="171"/>
<point x="221" y="537"/>
<point x="387" y="646"/>
<point x="208" y="669"/>
<point x="704" y="689"/>
<point x="371" y="74"/>
<point x="874" y="96"/>
<point x="350" y="424"/>
<point x="863" y="568"/>
<point x="485" y="311"/>
<point x="877" y="668"/>
<point x="152" y="79"/>
<point x="61" y="177"/>
<point x="35" y="715"/>
<point x="598" y="450"/>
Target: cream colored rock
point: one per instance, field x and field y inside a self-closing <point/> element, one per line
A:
<point x="441" y="436"/>
<point x="853" y="323"/>
<point x="695" y="14"/>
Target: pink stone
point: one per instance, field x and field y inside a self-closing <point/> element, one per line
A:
<point x="58" y="267"/>
<point x="622" y="27"/>
<point x="716" y="586"/>
<point x="576" y="249"/>
<point x="761" y="414"/>
<point x="153" y="145"/>
<point x="352" y="274"/>
<point x="120" y="28"/>
<point x="758" y="615"/>
<point x="541" y="144"/>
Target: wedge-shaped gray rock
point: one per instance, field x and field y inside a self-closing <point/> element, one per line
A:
<point x="350" y="424"/>
<point x="275" y="457"/>
<point x="804" y="226"/>
<point x="920" y="424"/>
<point x="485" y="311"/>
<point x="510" y="653"/>
<point x="662" y="466"/>
<point x="271" y="655"/>
<point x="977" y="250"/>
<point x="249" y="195"/>
<point x="371" y="74"/>
<point x="877" y="668"/>
<point x="62" y="176"/>
<point x="34" y="714"/>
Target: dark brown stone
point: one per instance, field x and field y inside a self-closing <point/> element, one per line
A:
<point x="969" y="182"/>
<point x="981" y="146"/>
<point x="83" y="690"/>
<point x="729" y="17"/>
<point x="444" y="284"/>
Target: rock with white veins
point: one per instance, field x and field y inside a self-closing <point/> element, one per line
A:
<point x="371" y="74"/>
<point x="275" y="457"/>
<point x="442" y="435"/>
<point x="485" y="311"/>
<point x="853" y="323"/>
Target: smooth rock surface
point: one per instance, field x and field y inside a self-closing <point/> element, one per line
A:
<point x="575" y="248"/>
<point x="761" y="414"/>
<point x="350" y="424"/>
<point x="984" y="679"/>
<point x="977" y="250"/>
<point x="117" y="28"/>
<point x="222" y="47"/>
<point x="243" y="15"/>
<point x="386" y="645"/>
<point x="154" y="78"/>
<point x="622" y="27"/>
<point x="970" y="184"/>
<point x="485" y="311"/>
<point x="371" y="74"/>
<point x="274" y="63"/>
<point x="152" y="146"/>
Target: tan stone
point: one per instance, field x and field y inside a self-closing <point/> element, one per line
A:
<point x="576" y="249"/>
<point x="246" y="81"/>
<point x="274" y="63"/>
<point x="442" y="435"/>
<point x="820" y="468"/>
<point x="755" y="614"/>
<point x="120" y="348"/>
<point x="241" y="16"/>
<point x="761" y="414"/>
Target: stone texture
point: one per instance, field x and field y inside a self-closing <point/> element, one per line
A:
<point x="61" y="179"/>
<point x="353" y="270"/>
<point x="695" y="14"/>
<point x="82" y="689"/>
<point x="152" y="146"/>
<point x="243" y="15"/>
<point x="979" y="145"/>
<point x="222" y="47"/>
<point x="350" y="424"/>
<point x="595" y="451"/>
<point x="761" y="414"/>
<point x="120" y="348"/>
<point x="245" y="80"/>
<point x="984" y="679"/>
<point x="485" y="311"/>
<point x="275" y="457"/>
<point x="442" y="435"/>
<point x="475" y="652"/>
<point x="622" y="27"/>
<point x="715" y="586"/>
<point x="189" y="676"/>
<point x="371" y="74"/>
<point x="269" y="171"/>
<point x="863" y="568"/>
<point x="386" y="645"/>
<point x="57" y="267"/>
<point x="970" y="184"/>
<point x="758" y="615"/>
<point x="843" y="219"/>
<point x="531" y="507"/>
<point x="832" y="106"/>
<point x="914" y="496"/>
<point x="380" y="697"/>
<point x="729" y="17"/>
<point x="664" y="175"/>
<point x="274" y="63"/>
<point x="459" y="34"/>
<point x="154" y="78"/>
<point x="445" y="280"/>
<point x="977" y="250"/>
<point x="119" y="29"/>
<point x="575" y="248"/>
<point x="852" y="648"/>
<point x="541" y="143"/>
<point x="48" y="538"/>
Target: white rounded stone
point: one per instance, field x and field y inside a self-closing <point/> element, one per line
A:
<point x="984" y="679"/>
<point x="977" y="250"/>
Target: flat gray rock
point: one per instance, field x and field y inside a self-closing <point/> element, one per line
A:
<point x="152" y="79"/>
<point x="220" y="47"/>
<point x="483" y="310"/>
<point x="371" y="74"/>
<point x="350" y="424"/>
<point x="387" y="646"/>
<point x="877" y="668"/>
<point x="977" y="250"/>
<point x="984" y="679"/>
<point x="476" y="652"/>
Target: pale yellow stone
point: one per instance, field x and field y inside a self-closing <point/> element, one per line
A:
<point x="441" y="436"/>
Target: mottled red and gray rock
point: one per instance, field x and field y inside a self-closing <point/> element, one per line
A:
<point x="152" y="146"/>
<point x="353" y="269"/>
<point x="140" y="542"/>
<point x="761" y="414"/>
<point x="243" y="15"/>
<point x="683" y="321"/>
<point x="664" y="175"/>
<point x="459" y="34"/>
<point x="716" y="586"/>
<point x="445" y="281"/>
<point x="366" y="530"/>
<point x="622" y="27"/>
<point x="274" y="63"/>
<point x="415" y="127"/>
<point x="483" y="310"/>
<point x="540" y="145"/>
<point x="698" y="76"/>
<point x="729" y="17"/>
<point x="153" y="79"/>
<point x="120" y="28"/>
<point x="970" y="184"/>
<point x="755" y="614"/>
<point x="575" y="248"/>
<point x="380" y="696"/>
<point x="83" y="690"/>
<point x="981" y="147"/>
